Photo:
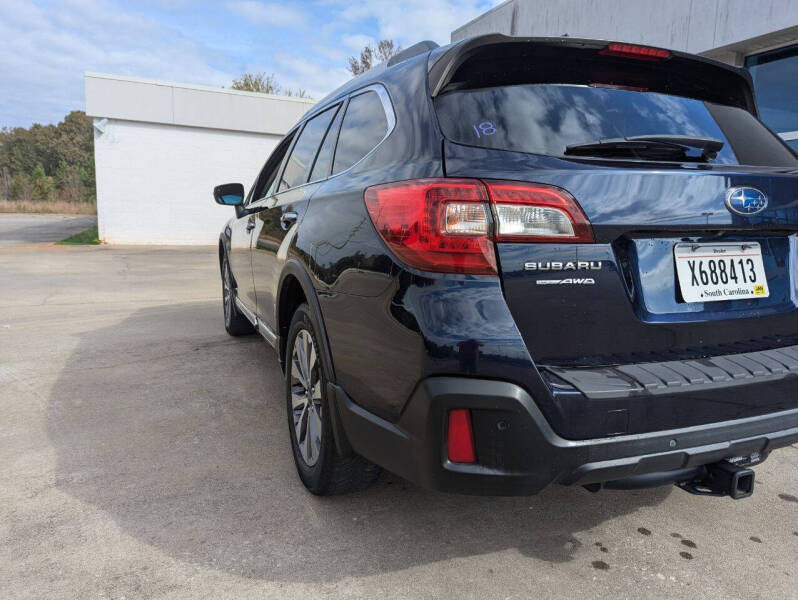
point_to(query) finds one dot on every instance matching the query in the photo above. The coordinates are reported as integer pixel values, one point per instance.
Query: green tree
(5, 180)
(22, 187)
(45, 162)
(43, 187)
(74, 173)
(69, 180)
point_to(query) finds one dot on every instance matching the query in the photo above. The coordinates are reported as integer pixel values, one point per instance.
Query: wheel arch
(296, 287)
(222, 250)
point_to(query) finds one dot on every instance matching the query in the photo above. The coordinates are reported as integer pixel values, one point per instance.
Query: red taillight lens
(460, 437)
(635, 52)
(530, 212)
(446, 225)
(440, 225)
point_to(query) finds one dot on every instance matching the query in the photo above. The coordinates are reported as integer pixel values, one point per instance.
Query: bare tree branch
(370, 56)
(265, 84)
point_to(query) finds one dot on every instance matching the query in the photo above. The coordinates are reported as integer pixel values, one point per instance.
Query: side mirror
(229, 194)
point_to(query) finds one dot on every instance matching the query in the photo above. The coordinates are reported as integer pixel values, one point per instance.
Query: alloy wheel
(227, 294)
(306, 397)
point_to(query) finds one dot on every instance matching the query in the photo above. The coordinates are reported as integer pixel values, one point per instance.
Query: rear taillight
(537, 213)
(635, 52)
(440, 225)
(447, 225)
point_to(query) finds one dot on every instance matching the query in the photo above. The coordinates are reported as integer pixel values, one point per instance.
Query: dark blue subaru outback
(511, 262)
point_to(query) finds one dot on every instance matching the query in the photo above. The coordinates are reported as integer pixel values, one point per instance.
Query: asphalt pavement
(144, 454)
(26, 229)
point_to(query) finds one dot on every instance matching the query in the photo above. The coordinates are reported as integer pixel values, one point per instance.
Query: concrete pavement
(144, 454)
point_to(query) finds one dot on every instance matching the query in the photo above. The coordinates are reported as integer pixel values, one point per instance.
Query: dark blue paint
(654, 272)
(389, 327)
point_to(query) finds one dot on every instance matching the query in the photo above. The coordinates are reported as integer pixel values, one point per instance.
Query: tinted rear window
(546, 118)
(364, 126)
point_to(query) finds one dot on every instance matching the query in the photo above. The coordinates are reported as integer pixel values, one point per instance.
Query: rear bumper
(518, 453)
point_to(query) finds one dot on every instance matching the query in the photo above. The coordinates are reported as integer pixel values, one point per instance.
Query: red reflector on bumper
(460, 437)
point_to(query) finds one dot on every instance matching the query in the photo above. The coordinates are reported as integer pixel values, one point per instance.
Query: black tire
(235, 323)
(321, 468)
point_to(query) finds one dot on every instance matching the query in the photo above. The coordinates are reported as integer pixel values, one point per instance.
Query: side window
(277, 181)
(321, 168)
(268, 175)
(299, 163)
(364, 126)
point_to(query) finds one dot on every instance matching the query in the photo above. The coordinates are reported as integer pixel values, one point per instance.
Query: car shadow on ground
(178, 433)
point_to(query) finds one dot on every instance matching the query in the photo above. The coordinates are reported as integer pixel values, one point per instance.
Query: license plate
(727, 271)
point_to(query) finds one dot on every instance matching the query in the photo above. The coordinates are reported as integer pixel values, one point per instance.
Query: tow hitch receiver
(722, 479)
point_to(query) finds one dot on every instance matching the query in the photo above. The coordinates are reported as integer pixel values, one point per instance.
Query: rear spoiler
(717, 81)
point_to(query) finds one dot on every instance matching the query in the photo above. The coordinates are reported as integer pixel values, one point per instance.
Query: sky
(47, 45)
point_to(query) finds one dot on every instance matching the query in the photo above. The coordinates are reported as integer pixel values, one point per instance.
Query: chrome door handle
(287, 219)
(251, 224)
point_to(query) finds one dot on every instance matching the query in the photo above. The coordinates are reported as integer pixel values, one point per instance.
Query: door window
(364, 126)
(300, 161)
(268, 175)
(321, 167)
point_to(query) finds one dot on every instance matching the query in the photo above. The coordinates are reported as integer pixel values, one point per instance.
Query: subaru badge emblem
(746, 201)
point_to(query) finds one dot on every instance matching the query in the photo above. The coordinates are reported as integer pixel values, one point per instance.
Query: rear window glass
(547, 118)
(364, 126)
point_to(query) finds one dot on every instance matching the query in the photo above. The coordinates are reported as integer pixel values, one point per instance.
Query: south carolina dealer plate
(726, 271)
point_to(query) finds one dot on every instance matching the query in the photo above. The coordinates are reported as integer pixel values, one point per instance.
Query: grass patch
(48, 206)
(84, 238)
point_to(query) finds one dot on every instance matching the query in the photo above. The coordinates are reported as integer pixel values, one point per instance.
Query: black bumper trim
(669, 377)
(414, 446)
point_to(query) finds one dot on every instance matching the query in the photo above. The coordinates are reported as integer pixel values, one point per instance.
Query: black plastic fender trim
(298, 270)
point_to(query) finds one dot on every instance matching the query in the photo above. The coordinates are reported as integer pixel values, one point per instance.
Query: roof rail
(412, 51)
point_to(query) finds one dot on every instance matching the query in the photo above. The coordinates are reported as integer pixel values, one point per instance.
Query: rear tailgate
(624, 302)
(614, 319)
(616, 326)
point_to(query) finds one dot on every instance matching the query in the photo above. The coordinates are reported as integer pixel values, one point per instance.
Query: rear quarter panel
(375, 355)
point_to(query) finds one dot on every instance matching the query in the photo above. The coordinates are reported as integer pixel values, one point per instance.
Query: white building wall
(155, 181)
(499, 19)
(152, 101)
(160, 148)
